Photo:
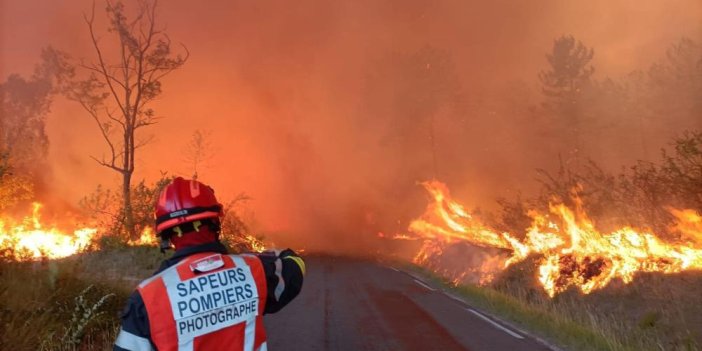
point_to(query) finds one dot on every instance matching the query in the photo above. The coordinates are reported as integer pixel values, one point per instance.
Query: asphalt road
(348, 304)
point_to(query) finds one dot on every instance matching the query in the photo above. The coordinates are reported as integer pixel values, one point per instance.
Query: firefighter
(203, 298)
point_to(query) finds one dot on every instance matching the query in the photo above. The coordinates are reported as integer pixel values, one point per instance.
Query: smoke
(328, 113)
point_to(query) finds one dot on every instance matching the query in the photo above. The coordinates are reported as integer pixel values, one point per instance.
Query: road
(349, 304)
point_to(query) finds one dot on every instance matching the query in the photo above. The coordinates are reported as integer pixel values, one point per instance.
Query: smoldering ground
(328, 113)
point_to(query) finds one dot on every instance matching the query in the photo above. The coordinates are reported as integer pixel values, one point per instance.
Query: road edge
(461, 300)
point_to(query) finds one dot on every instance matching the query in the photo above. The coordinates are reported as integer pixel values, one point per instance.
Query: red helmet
(185, 201)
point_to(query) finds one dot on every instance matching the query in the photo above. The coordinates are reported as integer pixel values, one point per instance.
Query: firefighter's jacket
(204, 299)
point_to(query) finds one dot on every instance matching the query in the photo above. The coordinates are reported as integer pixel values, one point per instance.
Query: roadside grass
(618, 319)
(120, 266)
(46, 306)
(72, 303)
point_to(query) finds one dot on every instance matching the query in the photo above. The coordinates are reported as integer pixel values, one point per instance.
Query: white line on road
(495, 324)
(424, 285)
(394, 269)
(453, 297)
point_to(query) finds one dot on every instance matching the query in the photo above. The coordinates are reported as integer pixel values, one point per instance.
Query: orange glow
(30, 240)
(573, 252)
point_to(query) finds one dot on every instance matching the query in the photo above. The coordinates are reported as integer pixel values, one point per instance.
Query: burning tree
(117, 93)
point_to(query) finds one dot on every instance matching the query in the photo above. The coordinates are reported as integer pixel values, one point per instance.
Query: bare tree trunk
(128, 170)
(128, 211)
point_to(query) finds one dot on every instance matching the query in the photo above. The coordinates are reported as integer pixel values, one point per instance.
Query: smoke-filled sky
(294, 94)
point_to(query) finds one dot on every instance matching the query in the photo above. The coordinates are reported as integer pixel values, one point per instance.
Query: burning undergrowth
(570, 250)
(32, 237)
(29, 238)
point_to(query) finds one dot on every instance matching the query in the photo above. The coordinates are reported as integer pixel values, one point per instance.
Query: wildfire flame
(574, 253)
(247, 242)
(146, 238)
(256, 244)
(29, 240)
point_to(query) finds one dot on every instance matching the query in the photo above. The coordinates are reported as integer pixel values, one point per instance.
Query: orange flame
(29, 240)
(573, 253)
(254, 243)
(146, 238)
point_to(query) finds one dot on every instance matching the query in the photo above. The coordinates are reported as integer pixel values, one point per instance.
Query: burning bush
(236, 234)
(104, 206)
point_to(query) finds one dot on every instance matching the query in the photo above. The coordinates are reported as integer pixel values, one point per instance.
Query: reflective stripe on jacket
(194, 306)
(284, 273)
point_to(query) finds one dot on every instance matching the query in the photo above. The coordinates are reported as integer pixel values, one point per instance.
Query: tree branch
(98, 70)
(94, 115)
(103, 66)
(108, 165)
(115, 119)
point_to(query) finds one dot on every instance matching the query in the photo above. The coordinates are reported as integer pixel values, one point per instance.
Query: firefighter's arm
(285, 271)
(134, 334)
